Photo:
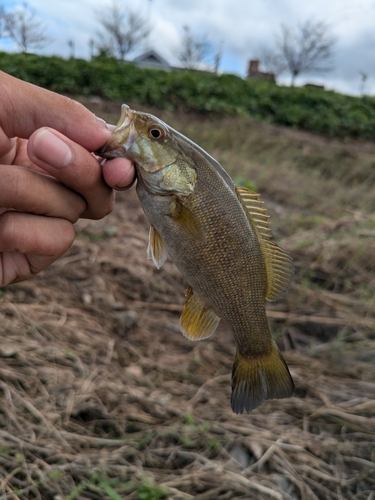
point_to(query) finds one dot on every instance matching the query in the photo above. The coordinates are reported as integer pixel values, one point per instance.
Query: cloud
(242, 26)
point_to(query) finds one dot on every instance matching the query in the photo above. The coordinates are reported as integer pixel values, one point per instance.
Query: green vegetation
(147, 491)
(319, 111)
(105, 487)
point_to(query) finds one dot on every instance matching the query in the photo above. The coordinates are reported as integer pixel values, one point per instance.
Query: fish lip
(121, 138)
(103, 150)
(111, 149)
(126, 118)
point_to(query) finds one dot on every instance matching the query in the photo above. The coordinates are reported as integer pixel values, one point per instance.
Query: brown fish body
(217, 234)
(226, 272)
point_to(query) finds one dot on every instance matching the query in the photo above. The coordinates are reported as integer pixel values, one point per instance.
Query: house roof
(151, 57)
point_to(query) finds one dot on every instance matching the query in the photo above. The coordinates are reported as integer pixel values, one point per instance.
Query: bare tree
(272, 61)
(91, 46)
(23, 28)
(193, 50)
(123, 30)
(306, 48)
(2, 21)
(218, 56)
(362, 82)
(72, 47)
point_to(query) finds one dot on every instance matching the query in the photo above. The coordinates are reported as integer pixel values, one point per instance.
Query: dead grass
(102, 397)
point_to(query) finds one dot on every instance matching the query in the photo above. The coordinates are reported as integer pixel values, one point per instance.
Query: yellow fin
(186, 220)
(259, 378)
(280, 270)
(156, 249)
(197, 321)
(279, 264)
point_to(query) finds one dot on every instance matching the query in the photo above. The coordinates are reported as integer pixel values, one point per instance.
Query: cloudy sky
(242, 26)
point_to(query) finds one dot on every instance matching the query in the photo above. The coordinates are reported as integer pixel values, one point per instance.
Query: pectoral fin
(279, 264)
(185, 219)
(197, 321)
(156, 249)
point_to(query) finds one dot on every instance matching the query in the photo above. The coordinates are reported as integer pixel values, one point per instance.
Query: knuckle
(103, 211)
(97, 210)
(110, 205)
(67, 237)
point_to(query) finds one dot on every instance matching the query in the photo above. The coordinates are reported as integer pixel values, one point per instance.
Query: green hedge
(313, 109)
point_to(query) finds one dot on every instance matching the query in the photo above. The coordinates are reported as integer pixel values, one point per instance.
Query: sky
(243, 27)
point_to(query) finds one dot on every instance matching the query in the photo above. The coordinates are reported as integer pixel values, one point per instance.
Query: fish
(218, 235)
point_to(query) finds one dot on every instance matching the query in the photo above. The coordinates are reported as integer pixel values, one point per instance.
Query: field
(103, 398)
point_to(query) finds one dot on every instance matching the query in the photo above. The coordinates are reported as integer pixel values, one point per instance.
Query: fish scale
(226, 258)
(218, 235)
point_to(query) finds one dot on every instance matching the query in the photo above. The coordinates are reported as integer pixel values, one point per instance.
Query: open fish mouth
(122, 137)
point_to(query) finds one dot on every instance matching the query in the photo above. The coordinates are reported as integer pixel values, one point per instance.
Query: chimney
(253, 68)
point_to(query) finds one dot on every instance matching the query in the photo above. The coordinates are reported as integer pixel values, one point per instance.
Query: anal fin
(156, 249)
(198, 321)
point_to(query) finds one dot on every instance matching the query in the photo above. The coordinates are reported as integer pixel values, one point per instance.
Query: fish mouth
(122, 137)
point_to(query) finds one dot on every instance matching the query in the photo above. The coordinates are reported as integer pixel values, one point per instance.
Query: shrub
(313, 109)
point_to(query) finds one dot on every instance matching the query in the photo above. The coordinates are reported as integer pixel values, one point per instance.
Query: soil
(101, 395)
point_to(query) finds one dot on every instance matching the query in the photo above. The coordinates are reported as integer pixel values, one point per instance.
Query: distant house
(254, 73)
(152, 59)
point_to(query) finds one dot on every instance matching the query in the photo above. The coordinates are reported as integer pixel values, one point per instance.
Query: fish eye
(156, 132)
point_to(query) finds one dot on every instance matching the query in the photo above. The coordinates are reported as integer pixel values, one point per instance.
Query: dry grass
(102, 397)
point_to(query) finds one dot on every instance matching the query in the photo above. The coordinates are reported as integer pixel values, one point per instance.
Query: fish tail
(259, 378)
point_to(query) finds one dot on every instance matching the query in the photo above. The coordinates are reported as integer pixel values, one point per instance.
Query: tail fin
(259, 378)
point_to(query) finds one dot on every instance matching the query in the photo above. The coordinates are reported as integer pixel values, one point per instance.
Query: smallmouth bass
(218, 236)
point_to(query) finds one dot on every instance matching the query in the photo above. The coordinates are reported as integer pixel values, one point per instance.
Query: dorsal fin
(279, 264)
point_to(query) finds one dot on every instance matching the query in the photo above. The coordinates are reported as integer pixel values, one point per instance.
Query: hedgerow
(313, 109)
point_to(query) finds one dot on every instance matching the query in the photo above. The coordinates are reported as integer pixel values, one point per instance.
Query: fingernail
(101, 121)
(126, 183)
(49, 148)
(108, 126)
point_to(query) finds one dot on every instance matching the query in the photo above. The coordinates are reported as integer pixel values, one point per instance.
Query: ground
(102, 397)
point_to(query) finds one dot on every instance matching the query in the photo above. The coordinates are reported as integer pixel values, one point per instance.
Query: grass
(305, 169)
(102, 398)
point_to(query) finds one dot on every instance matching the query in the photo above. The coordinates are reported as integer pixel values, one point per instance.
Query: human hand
(49, 178)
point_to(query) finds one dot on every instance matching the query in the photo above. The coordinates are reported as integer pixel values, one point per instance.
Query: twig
(253, 485)
(264, 458)
(95, 441)
(41, 417)
(26, 445)
(158, 305)
(4, 482)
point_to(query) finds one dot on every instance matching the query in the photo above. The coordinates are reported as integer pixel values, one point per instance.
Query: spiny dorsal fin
(279, 264)
(198, 321)
(156, 249)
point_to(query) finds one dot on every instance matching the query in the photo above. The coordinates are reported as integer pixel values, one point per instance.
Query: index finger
(24, 108)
